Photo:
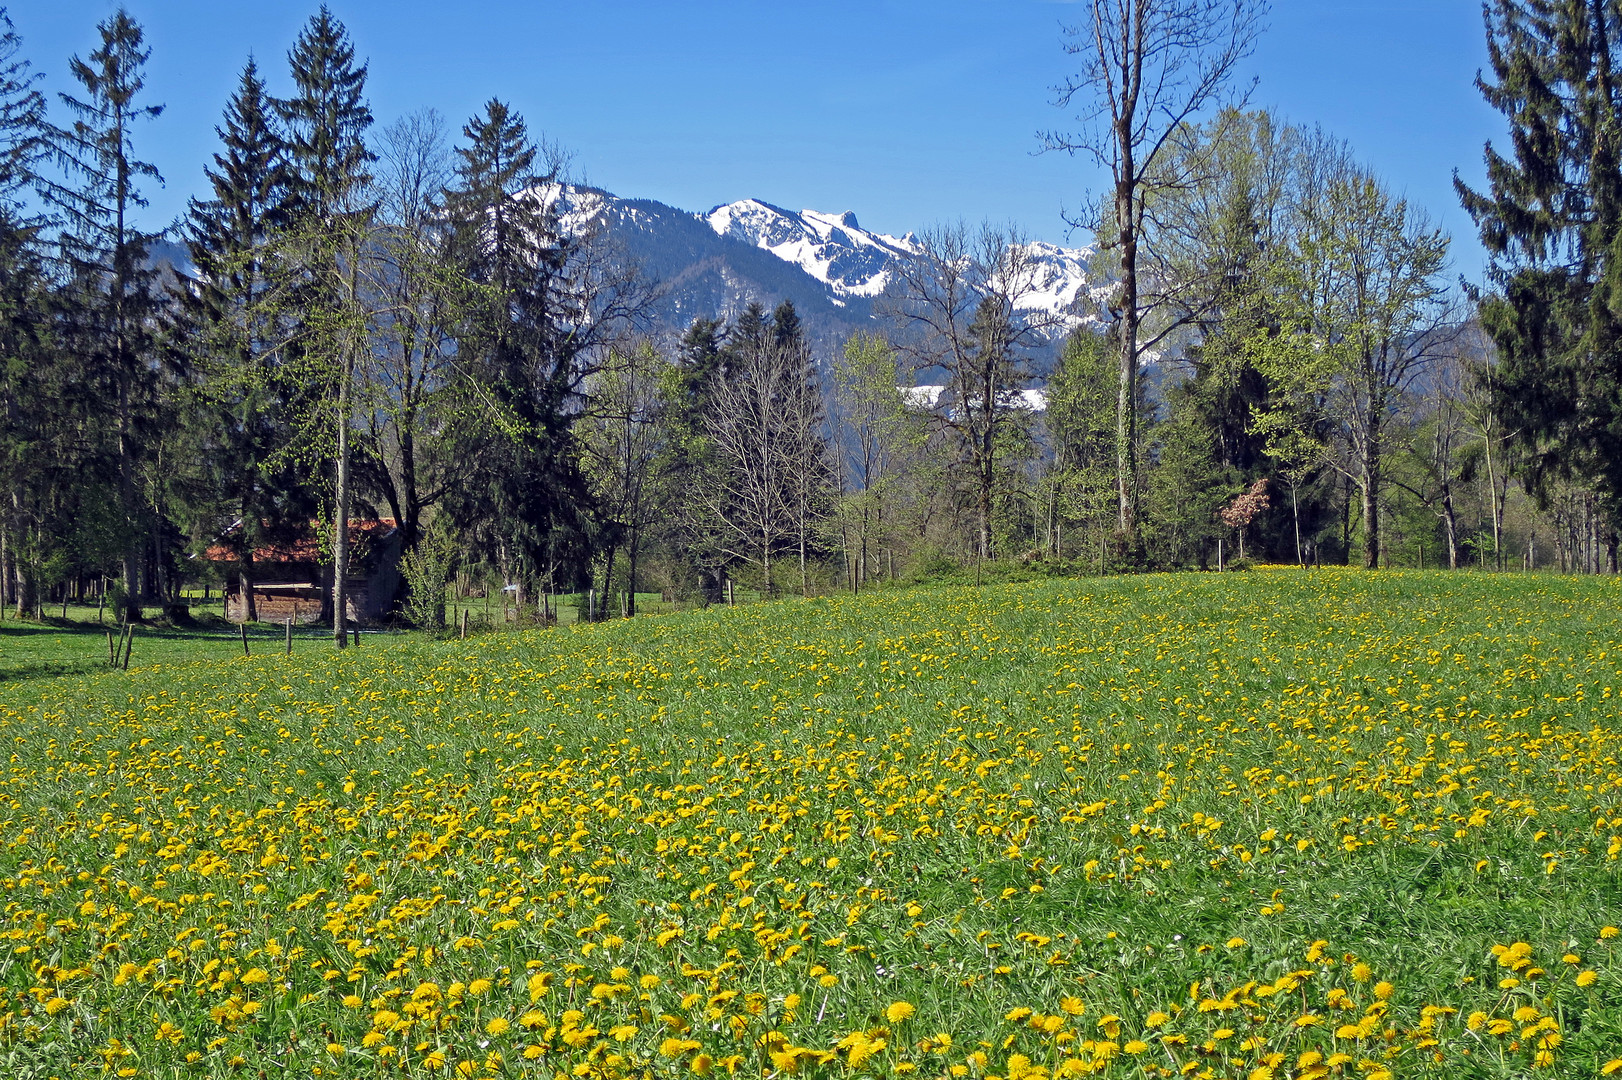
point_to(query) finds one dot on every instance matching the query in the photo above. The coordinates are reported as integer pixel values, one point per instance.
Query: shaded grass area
(77, 645)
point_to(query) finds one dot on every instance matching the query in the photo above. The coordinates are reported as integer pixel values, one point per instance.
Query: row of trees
(363, 321)
(385, 322)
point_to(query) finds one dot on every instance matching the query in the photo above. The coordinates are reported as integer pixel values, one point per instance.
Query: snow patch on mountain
(851, 261)
(832, 248)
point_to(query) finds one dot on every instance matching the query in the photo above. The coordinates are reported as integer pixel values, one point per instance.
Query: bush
(426, 570)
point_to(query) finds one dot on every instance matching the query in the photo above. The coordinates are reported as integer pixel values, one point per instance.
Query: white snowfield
(851, 261)
(832, 248)
(931, 396)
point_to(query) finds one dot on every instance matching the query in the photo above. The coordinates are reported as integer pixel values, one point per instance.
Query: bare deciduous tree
(1147, 69)
(625, 443)
(962, 303)
(416, 303)
(762, 429)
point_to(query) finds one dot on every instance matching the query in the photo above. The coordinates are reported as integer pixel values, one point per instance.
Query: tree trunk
(1371, 503)
(340, 539)
(250, 606)
(608, 579)
(25, 590)
(1295, 514)
(1450, 522)
(632, 550)
(1126, 400)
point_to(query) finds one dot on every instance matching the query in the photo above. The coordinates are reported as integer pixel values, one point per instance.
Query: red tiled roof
(306, 548)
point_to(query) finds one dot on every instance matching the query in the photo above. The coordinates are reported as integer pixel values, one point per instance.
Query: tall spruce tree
(26, 364)
(113, 287)
(326, 123)
(1551, 220)
(526, 345)
(241, 413)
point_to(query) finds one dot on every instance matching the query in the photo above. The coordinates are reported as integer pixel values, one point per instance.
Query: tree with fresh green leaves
(1078, 484)
(1366, 313)
(321, 259)
(878, 440)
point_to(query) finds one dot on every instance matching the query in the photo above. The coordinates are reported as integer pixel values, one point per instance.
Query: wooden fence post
(243, 627)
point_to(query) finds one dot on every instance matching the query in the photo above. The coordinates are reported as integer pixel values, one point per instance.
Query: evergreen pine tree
(326, 120)
(29, 464)
(1551, 220)
(106, 255)
(241, 417)
(525, 498)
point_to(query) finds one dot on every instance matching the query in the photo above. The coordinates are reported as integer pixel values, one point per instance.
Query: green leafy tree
(321, 255)
(1372, 298)
(879, 440)
(1080, 419)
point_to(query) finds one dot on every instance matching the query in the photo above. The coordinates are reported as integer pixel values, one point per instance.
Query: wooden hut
(292, 579)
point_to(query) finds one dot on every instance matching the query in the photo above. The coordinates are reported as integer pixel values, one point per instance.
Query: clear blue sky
(908, 112)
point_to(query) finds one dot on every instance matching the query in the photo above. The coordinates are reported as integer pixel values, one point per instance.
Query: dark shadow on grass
(84, 652)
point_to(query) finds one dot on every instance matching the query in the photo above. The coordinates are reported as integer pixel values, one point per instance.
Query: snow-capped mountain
(832, 248)
(713, 264)
(851, 261)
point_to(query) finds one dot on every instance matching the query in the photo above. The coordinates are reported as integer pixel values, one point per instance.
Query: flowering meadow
(1276, 824)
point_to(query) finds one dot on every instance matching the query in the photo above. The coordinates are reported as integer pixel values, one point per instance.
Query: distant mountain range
(715, 263)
